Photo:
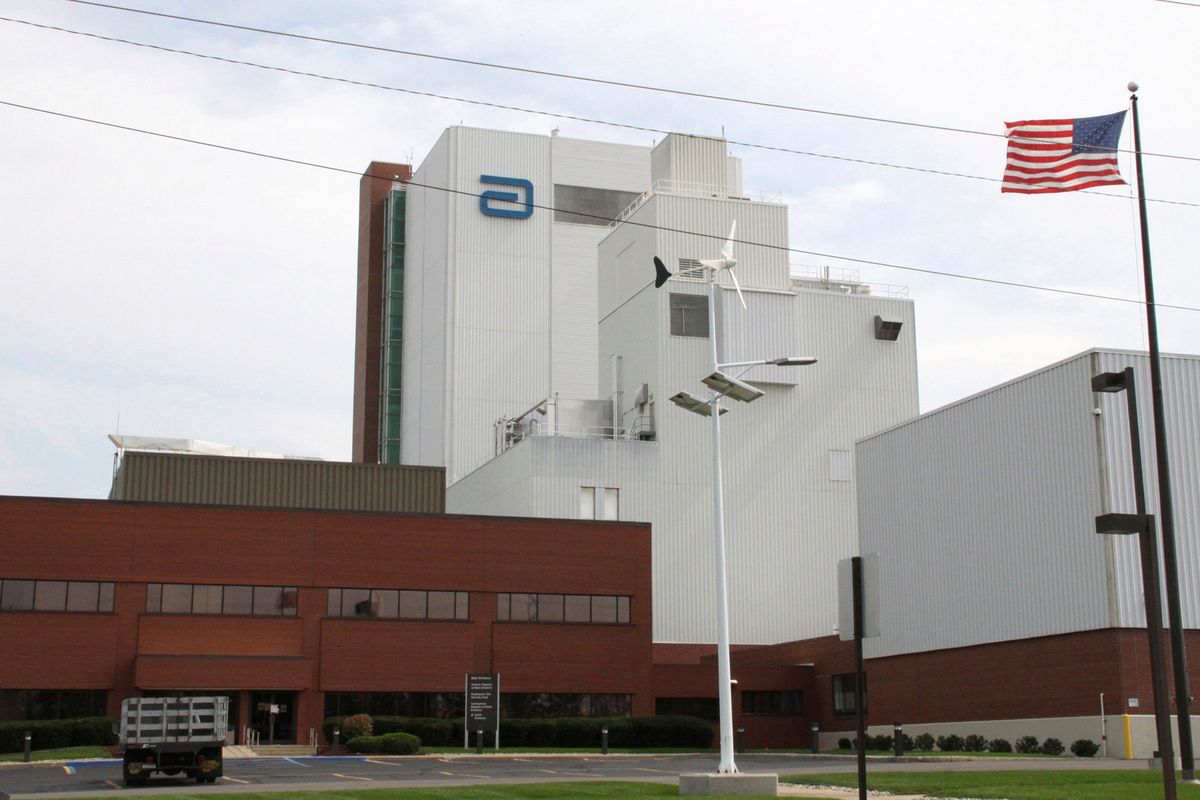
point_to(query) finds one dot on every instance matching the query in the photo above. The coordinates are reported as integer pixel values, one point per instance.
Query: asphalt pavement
(102, 778)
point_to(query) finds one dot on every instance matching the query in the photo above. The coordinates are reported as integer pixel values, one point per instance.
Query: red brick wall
(135, 543)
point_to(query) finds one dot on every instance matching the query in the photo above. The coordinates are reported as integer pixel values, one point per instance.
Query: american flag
(1062, 155)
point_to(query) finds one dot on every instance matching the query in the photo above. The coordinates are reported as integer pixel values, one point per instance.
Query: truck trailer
(173, 735)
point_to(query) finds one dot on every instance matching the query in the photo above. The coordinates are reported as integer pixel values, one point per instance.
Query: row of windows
(398, 604)
(591, 608)
(599, 502)
(24, 595)
(31, 704)
(786, 702)
(189, 598)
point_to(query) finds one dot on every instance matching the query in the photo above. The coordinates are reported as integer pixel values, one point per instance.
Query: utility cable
(537, 112)
(718, 237)
(568, 76)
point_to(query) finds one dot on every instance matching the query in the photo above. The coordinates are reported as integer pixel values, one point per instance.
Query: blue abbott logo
(492, 195)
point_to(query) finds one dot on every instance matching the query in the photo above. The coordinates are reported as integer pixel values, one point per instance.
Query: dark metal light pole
(1143, 524)
(1165, 505)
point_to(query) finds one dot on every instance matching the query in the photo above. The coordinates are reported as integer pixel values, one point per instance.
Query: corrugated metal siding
(578, 162)
(573, 308)
(694, 160)
(757, 267)
(280, 483)
(982, 513)
(787, 524)
(1181, 387)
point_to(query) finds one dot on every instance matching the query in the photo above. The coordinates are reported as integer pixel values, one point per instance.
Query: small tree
(923, 742)
(1028, 744)
(951, 744)
(1052, 747)
(357, 725)
(974, 743)
(1084, 748)
(1000, 746)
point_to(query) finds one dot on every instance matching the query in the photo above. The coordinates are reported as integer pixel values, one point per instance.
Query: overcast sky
(178, 290)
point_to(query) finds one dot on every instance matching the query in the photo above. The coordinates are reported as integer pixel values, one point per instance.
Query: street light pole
(1151, 589)
(724, 685)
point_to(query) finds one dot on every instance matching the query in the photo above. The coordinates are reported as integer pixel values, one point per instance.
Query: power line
(719, 237)
(537, 112)
(570, 76)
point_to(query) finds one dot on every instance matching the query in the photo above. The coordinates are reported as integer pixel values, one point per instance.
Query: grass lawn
(1016, 785)
(62, 754)
(594, 790)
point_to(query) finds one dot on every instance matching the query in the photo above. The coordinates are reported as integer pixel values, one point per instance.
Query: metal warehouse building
(1001, 606)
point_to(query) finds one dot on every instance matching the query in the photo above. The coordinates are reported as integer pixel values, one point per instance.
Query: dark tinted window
(83, 596)
(50, 596)
(587, 205)
(238, 600)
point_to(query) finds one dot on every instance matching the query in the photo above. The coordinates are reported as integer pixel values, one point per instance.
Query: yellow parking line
(235, 780)
(113, 784)
(352, 777)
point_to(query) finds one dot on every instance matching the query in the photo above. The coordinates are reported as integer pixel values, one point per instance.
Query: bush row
(395, 744)
(53, 733)
(1083, 748)
(658, 731)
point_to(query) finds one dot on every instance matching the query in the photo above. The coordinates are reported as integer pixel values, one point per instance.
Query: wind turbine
(714, 265)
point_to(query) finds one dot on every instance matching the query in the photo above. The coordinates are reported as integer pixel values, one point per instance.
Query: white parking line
(114, 784)
(68, 770)
(235, 780)
(301, 763)
(352, 777)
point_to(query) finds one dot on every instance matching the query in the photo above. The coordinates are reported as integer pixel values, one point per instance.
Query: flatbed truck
(173, 735)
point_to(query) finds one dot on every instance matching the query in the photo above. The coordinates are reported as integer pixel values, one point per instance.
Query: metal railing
(250, 737)
(664, 186)
(312, 740)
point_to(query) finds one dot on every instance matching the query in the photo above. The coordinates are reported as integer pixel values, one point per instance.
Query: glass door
(273, 716)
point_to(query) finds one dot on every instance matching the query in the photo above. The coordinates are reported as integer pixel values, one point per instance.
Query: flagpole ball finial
(1133, 87)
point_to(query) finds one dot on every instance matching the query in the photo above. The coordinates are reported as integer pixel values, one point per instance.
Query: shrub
(399, 744)
(1000, 746)
(881, 742)
(1027, 744)
(974, 743)
(1084, 748)
(845, 744)
(1052, 747)
(437, 732)
(951, 744)
(370, 745)
(906, 743)
(357, 725)
(52, 733)
(923, 742)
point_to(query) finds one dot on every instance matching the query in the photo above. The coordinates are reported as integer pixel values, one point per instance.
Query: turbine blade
(713, 263)
(738, 287)
(727, 250)
(661, 275)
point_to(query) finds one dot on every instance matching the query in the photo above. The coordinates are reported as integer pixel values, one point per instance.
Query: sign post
(858, 617)
(481, 706)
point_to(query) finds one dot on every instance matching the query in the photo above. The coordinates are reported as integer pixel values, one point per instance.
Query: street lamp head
(794, 361)
(1109, 382)
(1124, 523)
(693, 404)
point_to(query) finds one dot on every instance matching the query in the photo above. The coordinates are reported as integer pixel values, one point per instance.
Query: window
(75, 596)
(584, 608)
(843, 695)
(702, 707)
(397, 604)
(188, 598)
(780, 702)
(543, 706)
(689, 315)
(439, 705)
(37, 704)
(599, 502)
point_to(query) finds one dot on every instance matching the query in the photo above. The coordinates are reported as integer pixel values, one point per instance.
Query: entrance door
(273, 716)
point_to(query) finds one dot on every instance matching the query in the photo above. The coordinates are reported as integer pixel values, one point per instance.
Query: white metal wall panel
(982, 515)
(1181, 387)
(765, 328)
(759, 266)
(691, 160)
(578, 162)
(573, 310)
(428, 266)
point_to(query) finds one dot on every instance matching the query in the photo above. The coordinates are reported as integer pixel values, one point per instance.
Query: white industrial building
(541, 356)
(993, 577)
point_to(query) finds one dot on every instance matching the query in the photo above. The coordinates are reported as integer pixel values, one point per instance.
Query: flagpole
(1166, 511)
